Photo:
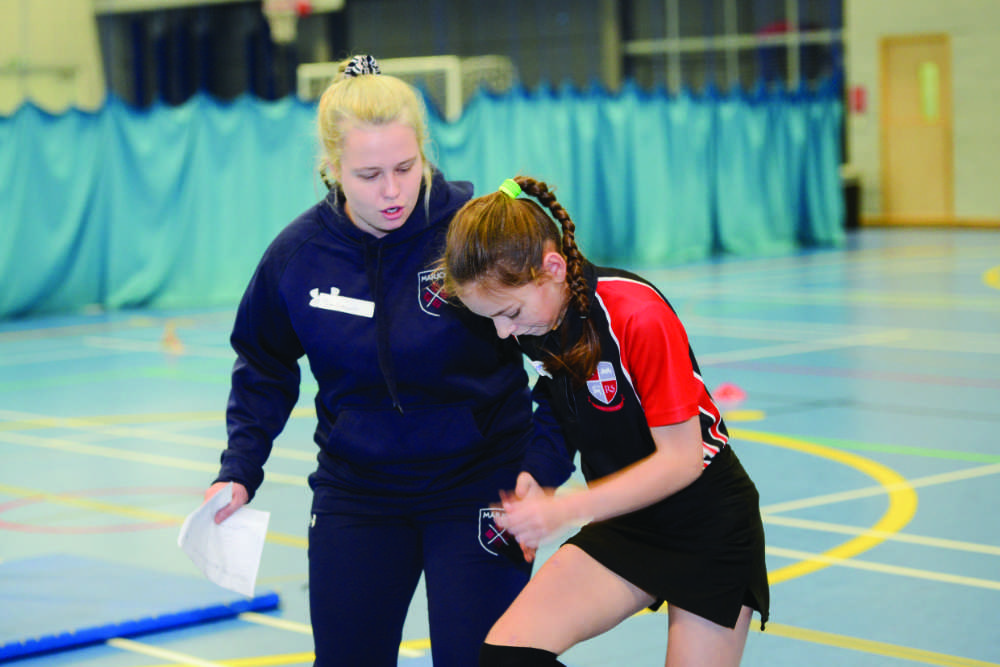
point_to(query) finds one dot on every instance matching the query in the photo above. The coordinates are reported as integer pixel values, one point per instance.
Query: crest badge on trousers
(495, 539)
(492, 537)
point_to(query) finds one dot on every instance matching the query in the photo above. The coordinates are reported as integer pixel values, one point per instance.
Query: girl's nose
(504, 329)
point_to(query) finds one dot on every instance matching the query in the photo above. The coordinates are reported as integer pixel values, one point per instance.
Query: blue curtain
(171, 207)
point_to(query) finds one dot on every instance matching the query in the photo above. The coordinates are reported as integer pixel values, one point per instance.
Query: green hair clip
(510, 188)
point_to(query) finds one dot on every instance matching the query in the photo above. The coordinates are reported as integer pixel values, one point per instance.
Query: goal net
(448, 81)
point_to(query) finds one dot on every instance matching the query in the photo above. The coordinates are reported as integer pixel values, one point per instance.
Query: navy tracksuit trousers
(363, 571)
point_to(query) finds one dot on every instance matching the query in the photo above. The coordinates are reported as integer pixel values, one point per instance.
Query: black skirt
(701, 549)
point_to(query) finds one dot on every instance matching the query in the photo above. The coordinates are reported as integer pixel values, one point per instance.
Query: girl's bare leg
(571, 598)
(696, 641)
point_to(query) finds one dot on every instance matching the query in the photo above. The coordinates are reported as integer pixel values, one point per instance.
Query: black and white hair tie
(360, 65)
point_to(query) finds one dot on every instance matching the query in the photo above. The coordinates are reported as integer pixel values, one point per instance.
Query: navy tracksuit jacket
(423, 413)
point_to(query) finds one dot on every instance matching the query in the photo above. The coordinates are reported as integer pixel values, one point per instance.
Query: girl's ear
(554, 266)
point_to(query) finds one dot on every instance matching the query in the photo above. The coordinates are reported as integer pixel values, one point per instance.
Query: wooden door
(917, 172)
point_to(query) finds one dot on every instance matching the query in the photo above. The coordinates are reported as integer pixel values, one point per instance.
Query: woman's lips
(393, 212)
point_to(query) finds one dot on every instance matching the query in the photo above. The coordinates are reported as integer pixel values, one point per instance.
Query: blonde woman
(422, 413)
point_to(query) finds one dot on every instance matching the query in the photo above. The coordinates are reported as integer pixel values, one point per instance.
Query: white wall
(50, 54)
(973, 27)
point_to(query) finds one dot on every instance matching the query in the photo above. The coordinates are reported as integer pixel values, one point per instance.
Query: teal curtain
(171, 207)
(51, 258)
(651, 179)
(194, 193)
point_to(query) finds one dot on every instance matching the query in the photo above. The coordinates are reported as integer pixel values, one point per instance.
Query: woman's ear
(554, 266)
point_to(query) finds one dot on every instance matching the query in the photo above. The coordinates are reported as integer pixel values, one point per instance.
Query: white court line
(280, 623)
(857, 564)
(50, 356)
(95, 427)
(767, 351)
(163, 654)
(852, 297)
(137, 457)
(781, 329)
(306, 629)
(774, 330)
(156, 346)
(761, 274)
(867, 492)
(825, 527)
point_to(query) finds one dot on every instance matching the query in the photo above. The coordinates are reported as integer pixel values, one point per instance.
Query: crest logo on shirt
(430, 291)
(603, 385)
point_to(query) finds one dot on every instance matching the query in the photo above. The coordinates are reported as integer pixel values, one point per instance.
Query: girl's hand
(533, 518)
(526, 487)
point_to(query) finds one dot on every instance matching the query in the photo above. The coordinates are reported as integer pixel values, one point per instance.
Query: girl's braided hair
(499, 240)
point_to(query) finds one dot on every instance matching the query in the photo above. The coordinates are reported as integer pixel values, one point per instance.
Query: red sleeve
(654, 351)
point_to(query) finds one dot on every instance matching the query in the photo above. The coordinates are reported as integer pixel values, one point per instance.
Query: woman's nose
(391, 188)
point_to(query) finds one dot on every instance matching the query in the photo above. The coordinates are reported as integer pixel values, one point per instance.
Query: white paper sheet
(227, 553)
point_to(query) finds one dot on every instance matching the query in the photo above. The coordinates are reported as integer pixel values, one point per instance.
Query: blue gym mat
(61, 601)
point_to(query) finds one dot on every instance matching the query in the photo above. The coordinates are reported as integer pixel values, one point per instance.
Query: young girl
(670, 515)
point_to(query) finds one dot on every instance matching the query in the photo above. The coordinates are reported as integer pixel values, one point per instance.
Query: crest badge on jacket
(430, 291)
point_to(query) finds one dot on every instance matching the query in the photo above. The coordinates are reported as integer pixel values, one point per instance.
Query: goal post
(448, 80)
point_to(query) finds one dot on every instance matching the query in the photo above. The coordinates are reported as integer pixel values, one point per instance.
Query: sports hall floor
(871, 382)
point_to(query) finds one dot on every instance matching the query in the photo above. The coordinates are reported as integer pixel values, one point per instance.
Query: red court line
(76, 530)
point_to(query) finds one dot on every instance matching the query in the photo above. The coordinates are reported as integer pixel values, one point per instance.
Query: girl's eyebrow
(503, 310)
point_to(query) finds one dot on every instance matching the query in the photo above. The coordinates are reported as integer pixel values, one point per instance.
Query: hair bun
(360, 65)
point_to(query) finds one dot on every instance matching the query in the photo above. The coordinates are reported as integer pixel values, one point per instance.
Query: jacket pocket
(386, 437)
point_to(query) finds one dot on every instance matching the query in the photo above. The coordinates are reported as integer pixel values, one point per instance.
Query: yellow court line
(136, 457)
(107, 452)
(278, 660)
(112, 425)
(991, 277)
(873, 647)
(70, 500)
(773, 629)
(902, 502)
(413, 648)
(275, 622)
(743, 415)
(902, 506)
(21, 420)
(157, 652)
(150, 435)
